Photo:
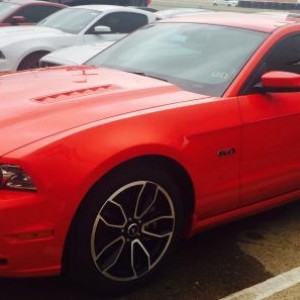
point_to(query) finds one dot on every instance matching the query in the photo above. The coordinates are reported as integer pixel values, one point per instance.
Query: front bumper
(29, 241)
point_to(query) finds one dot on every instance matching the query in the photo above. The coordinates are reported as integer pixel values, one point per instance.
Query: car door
(120, 23)
(270, 161)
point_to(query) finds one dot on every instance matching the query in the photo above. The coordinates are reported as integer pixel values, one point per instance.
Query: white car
(76, 55)
(22, 47)
(228, 3)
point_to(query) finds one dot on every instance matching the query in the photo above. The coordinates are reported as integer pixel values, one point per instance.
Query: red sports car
(25, 12)
(104, 168)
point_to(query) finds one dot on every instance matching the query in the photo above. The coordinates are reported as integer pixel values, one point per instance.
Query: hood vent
(76, 93)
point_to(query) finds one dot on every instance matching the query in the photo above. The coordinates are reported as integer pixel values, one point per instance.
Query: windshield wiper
(146, 75)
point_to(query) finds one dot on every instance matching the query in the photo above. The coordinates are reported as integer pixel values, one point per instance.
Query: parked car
(76, 55)
(180, 126)
(16, 12)
(22, 47)
(228, 3)
(108, 2)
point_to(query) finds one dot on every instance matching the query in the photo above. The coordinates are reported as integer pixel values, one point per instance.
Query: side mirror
(281, 82)
(15, 20)
(102, 29)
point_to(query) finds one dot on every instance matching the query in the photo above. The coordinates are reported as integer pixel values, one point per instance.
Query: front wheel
(124, 230)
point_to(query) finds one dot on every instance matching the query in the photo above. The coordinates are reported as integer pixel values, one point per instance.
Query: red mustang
(104, 169)
(25, 12)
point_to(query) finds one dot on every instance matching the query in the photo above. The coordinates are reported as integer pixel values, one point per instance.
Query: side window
(36, 13)
(284, 56)
(122, 22)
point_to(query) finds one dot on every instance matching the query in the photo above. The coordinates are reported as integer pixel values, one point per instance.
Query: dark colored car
(15, 12)
(110, 2)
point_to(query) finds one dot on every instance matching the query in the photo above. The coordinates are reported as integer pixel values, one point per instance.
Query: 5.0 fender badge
(226, 152)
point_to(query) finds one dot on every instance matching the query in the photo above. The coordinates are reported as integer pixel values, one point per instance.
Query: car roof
(174, 12)
(103, 7)
(20, 2)
(115, 8)
(259, 22)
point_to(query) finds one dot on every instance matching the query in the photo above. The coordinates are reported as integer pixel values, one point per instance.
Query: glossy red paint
(281, 79)
(68, 135)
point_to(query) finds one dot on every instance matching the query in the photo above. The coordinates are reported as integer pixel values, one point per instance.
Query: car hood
(76, 55)
(37, 104)
(11, 34)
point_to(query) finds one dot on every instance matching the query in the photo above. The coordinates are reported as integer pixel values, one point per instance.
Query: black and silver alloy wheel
(124, 229)
(132, 231)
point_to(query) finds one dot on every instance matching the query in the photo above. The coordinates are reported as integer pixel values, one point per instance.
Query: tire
(31, 61)
(124, 230)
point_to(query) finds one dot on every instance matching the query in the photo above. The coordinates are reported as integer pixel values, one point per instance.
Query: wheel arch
(177, 172)
(27, 55)
(171, 166)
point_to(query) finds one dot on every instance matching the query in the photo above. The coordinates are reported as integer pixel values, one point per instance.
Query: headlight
(12, 177)
(2, 56)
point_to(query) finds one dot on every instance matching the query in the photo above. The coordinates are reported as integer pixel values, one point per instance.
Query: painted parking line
(269, 287)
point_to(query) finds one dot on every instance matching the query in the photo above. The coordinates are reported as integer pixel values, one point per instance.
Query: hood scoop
(76, 93)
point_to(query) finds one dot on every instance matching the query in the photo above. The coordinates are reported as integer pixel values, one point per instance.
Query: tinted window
(197, 57)
(122, 22)
(36, 13)
(285, 56)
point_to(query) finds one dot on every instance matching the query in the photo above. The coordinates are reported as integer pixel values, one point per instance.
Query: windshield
(169, 13)
(6, 8)
(197, 57)
(71, 20)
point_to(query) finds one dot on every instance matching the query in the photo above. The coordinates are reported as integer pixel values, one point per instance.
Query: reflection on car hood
(76, 55)
(77, 96)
